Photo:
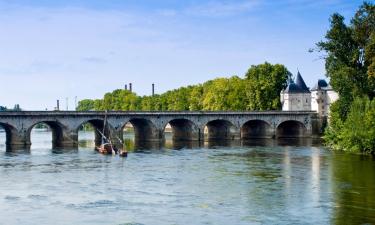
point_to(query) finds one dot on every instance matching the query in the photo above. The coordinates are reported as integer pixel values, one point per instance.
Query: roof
(321, 85)
(299, 86)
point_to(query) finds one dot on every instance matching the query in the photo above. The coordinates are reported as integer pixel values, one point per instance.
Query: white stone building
(296, 96)
(322, 96)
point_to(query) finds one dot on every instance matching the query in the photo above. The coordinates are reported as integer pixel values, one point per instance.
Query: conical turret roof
(301, 83)
(298, 86)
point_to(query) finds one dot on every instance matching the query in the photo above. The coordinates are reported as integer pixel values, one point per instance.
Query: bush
(357, 132)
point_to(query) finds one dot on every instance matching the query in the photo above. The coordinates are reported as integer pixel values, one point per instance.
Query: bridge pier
(67, 139)
(17, 140)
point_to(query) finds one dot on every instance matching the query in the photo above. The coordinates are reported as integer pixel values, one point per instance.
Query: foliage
(15, 108)
(357, 132)
(264, 86)
(86, 105)
(232, 93)
(350, 65)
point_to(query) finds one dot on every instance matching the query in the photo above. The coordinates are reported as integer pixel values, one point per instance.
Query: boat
(107, 148)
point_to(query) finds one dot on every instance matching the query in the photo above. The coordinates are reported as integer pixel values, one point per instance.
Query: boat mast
(104, 125)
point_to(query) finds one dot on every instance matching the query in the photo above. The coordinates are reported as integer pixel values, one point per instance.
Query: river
(211, 183)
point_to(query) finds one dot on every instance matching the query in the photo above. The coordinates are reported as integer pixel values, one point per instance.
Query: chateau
(298, 97)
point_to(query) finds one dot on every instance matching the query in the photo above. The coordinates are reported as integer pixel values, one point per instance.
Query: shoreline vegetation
(350, 64)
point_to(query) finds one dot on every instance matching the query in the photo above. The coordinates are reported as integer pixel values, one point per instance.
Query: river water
(215, 183)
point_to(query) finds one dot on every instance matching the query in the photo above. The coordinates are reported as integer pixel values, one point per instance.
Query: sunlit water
(199, 184)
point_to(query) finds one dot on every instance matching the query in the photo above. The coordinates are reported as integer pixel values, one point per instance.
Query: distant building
(296, 96)
(322, 96)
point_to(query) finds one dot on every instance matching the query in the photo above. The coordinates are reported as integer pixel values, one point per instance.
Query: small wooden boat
(107, 148)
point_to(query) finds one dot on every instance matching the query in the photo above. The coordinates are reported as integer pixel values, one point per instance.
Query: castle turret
(322, 96)
(296, 96)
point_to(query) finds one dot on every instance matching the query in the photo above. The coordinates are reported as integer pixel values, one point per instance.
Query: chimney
(153, 89)
(130, 87)
(126, 87)
(58, 105)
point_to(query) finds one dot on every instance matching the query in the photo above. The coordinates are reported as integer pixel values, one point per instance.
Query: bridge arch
(97, 126)
(9, 133)
(221, 129)
(256, 129)
(291, 129)
(56, 129)
(144, 129)
(183, 130)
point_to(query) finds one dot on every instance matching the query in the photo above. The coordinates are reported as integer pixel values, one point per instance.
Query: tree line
(258, 90)
(350, 65)
(15, 108)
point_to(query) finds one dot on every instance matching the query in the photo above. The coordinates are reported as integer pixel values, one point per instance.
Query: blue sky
(61, 49)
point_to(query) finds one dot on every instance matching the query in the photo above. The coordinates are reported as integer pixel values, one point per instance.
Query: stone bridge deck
(150, 126)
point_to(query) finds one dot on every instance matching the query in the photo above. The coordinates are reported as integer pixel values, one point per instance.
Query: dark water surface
(197, 184)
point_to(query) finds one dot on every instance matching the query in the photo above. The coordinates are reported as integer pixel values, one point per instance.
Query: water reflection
(353, 189)
(217, 182)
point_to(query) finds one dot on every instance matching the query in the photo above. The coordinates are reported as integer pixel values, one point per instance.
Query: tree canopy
(264, 84)
(350, 65)
(259, 90)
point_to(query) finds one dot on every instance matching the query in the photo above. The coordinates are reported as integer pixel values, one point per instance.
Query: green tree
(264, 84)
(218, 94)
(86, 105)
(350, 59)
(357, 132)
(350, 65)
(196, 96)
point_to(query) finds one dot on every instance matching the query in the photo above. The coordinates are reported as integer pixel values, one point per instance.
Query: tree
(350, 59)
(264, 84)
(17, 107)
(350, 65)
(86, 105)
(219, 94)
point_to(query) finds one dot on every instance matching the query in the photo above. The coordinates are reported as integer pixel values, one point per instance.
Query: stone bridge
(150, 126)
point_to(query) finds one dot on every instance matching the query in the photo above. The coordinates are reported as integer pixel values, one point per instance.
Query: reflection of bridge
(150, 126)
